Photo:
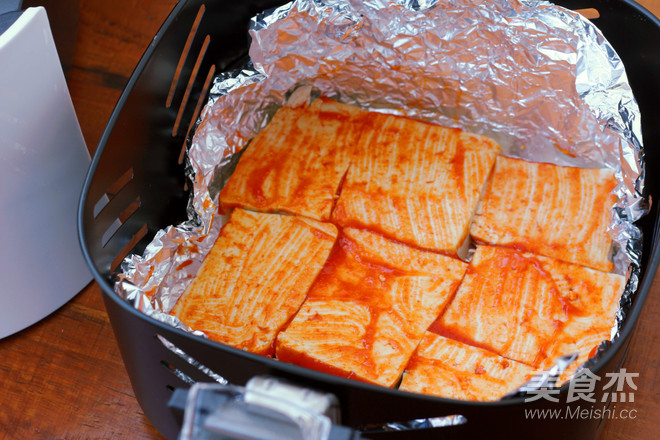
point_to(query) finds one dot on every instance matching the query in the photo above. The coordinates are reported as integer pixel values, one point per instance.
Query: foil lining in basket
(539, 79)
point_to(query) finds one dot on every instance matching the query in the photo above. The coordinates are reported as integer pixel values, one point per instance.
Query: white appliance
(43, 161)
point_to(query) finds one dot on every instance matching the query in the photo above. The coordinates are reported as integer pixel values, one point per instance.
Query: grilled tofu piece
(415, 182)
(369, 308)
(579, 337)
(447, 368)
(255, 278)
(526, 307)
(296, 163)
(560, 212)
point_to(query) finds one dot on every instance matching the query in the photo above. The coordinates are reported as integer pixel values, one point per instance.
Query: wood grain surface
(63, 378)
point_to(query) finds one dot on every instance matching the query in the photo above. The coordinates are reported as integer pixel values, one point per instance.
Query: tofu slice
(578, 337)
(550, 210)
(296, 163)
(369, 308)
(255, 278)
(415, 182)
(525, 307)
(447, 368)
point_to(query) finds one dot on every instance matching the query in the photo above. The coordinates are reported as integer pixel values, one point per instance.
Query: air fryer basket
(136, 186)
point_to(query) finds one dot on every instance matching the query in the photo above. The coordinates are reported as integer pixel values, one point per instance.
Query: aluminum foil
(539, 79)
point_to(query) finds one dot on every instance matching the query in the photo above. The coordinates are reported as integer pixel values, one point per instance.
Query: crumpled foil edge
(153, 282)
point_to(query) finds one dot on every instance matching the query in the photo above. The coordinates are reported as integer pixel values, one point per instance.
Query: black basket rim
(646, 274)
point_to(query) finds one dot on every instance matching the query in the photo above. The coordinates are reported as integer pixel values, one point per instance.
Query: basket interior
(137, 186)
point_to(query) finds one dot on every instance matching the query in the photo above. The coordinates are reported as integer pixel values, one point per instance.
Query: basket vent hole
(182, 153)
(178, 373)
(200, 101)
(110, 232)
(190, 360)
(100, 204)
(588, 13)
(112, 191)
(123, 217)
(184, 55)
(191, 82)
(139, 235)
(130, 210)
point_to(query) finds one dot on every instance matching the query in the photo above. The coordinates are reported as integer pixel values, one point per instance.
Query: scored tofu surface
(296, 163)
(447, 368)
(556, 211)
(357, 303)
(580, 337)
(526, 307)
(255, 278)
(369, 308)
(416, 182)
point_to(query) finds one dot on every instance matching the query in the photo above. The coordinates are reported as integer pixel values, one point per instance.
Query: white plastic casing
(43, 161)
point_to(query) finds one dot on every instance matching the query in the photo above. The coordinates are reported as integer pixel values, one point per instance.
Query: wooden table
(64, 378)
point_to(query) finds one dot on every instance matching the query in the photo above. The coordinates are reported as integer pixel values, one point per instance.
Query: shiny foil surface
(539, 79)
